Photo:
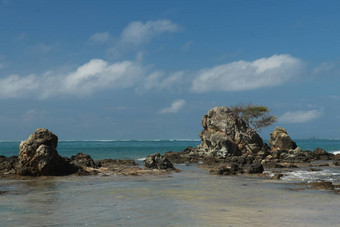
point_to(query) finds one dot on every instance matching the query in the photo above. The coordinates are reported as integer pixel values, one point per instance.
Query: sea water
(192, 197)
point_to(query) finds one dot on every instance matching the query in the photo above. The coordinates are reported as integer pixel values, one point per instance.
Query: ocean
(191, 197)
(135, 149)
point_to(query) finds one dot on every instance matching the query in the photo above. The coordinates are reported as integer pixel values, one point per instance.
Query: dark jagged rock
(321, 154)
(336, 160)
(225, 134)
(7, 164)
(38, 156)
(83, 160)
(188, 155)
(280, 140)
(157, 161)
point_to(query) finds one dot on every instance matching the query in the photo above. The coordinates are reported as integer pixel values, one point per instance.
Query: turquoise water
(140, 149)
(108, 149)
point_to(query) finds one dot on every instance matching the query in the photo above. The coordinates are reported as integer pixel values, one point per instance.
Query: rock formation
(280, 140)
(225, 134)
(7, 165)
(83, 160)
(38, 156)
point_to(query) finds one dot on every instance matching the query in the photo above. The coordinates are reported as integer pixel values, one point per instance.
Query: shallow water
(190, 198)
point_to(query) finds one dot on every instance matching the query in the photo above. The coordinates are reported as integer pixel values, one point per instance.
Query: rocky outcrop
(157, 161)
(83, 160)
(8, 164)
(280, 140)
(336, 160)
(225, 134)
(38, 156)
(188, 155)
(321, 154)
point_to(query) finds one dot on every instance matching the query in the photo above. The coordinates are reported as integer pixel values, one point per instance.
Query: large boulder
(83, 160)
(280, 140)
(225, 134)
(38, 156)
(157, 161)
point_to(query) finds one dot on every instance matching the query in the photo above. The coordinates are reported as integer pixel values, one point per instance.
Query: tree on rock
(256, 117)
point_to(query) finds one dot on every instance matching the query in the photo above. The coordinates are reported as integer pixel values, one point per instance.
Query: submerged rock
(38, 156)
(157, 161)
(114, 162)
(256, 167)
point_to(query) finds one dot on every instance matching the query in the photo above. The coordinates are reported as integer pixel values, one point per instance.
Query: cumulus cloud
(101, 37)
(174, 108)
(300, 116)
(245, 75)
(158, 81)
(88, 78)
(138, 32)
(14, 85)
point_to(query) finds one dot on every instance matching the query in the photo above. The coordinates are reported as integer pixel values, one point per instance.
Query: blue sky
(152, 69)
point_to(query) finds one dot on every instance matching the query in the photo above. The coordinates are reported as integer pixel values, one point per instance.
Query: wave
(335, 152)
(311, 176)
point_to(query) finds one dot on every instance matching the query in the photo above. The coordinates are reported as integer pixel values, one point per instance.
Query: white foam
(336, 152)
(310, 176)
(140, 159)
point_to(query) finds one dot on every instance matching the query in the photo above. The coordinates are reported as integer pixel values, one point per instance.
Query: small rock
(157, 161)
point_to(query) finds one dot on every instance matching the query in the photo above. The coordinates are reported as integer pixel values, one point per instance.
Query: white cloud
(300, 116)
(101, 37)
(138, 32)
(157, 81)
(324, 67)
(245, 75)
(91, 77)
(14, 86)
(174, 108)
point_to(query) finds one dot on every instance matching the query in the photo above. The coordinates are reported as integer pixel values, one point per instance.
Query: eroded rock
(38, 156)
(225, 134)
(280, 140)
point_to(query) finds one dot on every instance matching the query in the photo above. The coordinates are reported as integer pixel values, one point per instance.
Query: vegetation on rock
(255, 117)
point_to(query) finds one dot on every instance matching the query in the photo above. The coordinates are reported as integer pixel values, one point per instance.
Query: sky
(151, 69)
